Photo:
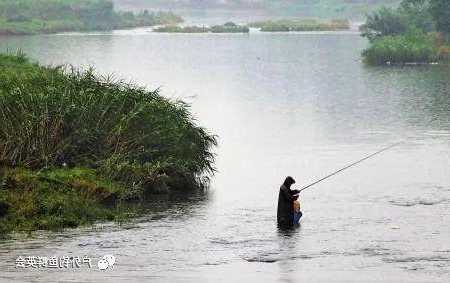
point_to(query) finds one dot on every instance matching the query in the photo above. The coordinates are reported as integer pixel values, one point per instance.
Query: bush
(388, 21)
(50, 117)
(75, 146)
(444, 53)
(414, 47)
(385, 22)
(229, 27)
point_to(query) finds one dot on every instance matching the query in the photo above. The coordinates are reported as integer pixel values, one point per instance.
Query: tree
(418, 14)
(440, 10)
(384, 22)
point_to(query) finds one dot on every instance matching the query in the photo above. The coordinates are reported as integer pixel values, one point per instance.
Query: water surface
(299, 104)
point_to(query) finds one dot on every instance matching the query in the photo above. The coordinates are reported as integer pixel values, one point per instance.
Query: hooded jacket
(286, 197)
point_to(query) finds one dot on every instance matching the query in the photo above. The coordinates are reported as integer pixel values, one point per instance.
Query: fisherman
(286, 198)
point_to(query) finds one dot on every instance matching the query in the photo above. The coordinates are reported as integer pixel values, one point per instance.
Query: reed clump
(413, 47)
(60, 118)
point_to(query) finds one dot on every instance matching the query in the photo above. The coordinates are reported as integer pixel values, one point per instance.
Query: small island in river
(264, 26)
(287, 25)
(76, 148)
(416, 32)
(228, 27)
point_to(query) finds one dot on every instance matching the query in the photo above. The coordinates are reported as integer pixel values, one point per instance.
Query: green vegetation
(178, 29)
(73, 146)
(416, 47)
(415, 32)
(50, 16)
(301, 25)
(52, 199)
(229, 27)
(225, 28)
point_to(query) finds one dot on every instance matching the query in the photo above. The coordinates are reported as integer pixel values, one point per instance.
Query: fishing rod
(350, 165)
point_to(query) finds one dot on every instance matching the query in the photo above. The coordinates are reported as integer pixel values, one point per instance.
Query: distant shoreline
(47, 17)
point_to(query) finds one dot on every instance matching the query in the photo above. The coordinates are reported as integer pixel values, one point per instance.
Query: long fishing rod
(350, 165)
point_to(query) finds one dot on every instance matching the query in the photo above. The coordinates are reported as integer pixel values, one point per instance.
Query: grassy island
(74, 147)
(178, 29)
(21, 17)
(417, 32)
(229, 27)
(301, 25)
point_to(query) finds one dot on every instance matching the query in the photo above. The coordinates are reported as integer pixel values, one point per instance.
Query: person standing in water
(286, 198)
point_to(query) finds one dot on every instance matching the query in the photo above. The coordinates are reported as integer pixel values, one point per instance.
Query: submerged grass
(71, 139)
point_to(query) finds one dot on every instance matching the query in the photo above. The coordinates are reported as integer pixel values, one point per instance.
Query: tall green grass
(413, 47)
(52, 116)
(74, 144)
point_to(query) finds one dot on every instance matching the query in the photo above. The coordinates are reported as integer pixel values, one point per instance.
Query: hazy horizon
(351, 9)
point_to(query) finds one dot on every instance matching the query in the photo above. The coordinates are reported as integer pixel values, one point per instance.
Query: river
(300, 104)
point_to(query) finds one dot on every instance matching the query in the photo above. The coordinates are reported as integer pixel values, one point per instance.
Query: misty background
(249, 10)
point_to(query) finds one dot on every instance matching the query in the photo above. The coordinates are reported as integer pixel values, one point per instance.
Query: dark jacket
(285, 213)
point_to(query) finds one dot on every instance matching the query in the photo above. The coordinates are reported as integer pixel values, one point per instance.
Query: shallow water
(298, 104)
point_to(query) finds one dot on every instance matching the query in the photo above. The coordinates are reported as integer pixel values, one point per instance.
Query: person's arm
(287, 194)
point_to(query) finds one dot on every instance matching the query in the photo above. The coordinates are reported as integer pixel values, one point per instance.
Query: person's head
(289, 181)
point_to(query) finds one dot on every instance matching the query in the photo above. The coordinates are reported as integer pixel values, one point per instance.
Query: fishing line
(361, 160)
(350, 165)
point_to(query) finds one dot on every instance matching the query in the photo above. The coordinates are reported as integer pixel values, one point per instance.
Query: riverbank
(75, 146)
(45, 16)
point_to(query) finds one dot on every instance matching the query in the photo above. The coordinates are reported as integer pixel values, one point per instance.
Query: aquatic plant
(55, 115)
(83, 139)
(414, 47)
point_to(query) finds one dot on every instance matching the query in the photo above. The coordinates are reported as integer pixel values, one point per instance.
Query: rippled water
(298, 104)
